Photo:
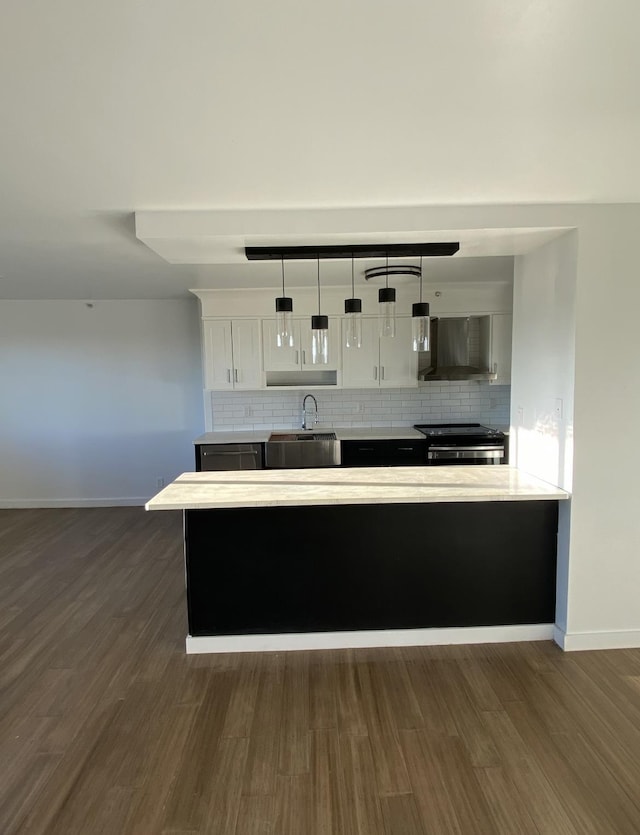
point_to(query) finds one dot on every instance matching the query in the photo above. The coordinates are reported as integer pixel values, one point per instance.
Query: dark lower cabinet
(388, 453)
(384, 566)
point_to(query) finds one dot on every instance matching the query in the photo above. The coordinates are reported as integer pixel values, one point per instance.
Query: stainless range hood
(460, 350)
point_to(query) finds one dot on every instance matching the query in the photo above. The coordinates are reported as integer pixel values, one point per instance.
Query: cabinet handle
(228, 375)
(304, 357)
(405, 449)
(236, 375)
(382, 372)
(297, 357)
(365, 449)
(375, 372)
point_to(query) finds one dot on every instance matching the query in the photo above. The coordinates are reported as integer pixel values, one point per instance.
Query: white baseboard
(48, 503)
(368, 638)
(575, 641)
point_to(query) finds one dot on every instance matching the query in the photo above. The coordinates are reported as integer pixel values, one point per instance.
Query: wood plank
(256, 815)
(264, 745)
(330, 798)
(364, 812)
(445, 786)
(295, 739)
(401, 816)
(388, 759)
(351, 718)
(323, 689)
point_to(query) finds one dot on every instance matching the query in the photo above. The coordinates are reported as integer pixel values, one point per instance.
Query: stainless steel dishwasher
(210, 457)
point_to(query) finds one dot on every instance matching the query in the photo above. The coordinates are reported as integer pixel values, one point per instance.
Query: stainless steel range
(463, 443)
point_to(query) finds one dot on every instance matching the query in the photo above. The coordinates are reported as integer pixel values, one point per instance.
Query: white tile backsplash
(429, 403)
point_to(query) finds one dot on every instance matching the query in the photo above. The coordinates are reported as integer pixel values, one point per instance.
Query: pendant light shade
(319, 340)
(387, 302)
(353, 311)
(284, 319)
(319, 333)
(420, 322)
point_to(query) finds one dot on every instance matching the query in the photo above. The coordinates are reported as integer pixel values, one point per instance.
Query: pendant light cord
(282, 263)
(386, 277)
(421, 279)
(353, 287)
(318, 285)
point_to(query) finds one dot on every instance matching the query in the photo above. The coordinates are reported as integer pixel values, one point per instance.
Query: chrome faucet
(305, 417)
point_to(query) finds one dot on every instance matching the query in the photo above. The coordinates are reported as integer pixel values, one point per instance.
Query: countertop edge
(364, 501)
(353, 486)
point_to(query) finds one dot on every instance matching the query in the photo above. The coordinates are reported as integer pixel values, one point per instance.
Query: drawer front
(384, 453)
(215, 457)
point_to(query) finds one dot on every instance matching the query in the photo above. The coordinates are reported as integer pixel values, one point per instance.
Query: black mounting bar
(312, 253)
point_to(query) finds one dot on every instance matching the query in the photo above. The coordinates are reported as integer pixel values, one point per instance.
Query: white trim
(559, 636)
(575, 641)
(135, 501)
(368, 638)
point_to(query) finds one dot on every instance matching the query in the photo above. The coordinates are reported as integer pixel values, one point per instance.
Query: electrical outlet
(520, 415)
(247, 411)
(159, 483)
(558, 408)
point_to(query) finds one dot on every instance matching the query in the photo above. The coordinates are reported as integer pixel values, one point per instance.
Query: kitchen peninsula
(340, 557)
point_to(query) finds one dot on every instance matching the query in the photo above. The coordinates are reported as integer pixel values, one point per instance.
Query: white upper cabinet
(501, 339)
(334, 345)
(232, 354)
(218, 355)
(381, 361)
(280, 359)
(299, 357)
(398, 361)
(360, 365)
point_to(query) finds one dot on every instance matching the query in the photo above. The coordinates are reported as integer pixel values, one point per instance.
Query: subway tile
(428, 403)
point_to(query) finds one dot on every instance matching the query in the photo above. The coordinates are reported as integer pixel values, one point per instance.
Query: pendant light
(319, 333)
(353, 310)
(420, 321)
(284, 324)
(387, 301)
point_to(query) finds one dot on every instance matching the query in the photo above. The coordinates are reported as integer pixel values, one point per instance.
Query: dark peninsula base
(266, 570)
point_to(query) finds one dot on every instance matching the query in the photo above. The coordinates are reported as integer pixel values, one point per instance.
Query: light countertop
(256, 436)
(350, 433)
(358, 485)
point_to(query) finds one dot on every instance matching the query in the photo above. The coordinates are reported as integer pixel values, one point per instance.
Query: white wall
(543, 360)
(543, 367)
(98, 402)
(604, 568)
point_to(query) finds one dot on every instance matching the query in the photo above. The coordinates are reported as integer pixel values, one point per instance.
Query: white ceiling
(109, 108)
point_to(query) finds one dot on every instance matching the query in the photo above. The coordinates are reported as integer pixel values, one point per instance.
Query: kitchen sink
(302, 436)
(293, 450)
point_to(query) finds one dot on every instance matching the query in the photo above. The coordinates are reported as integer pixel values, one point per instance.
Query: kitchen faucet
(305, 417)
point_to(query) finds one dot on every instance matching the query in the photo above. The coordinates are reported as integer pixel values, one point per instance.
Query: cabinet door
(501, 327)
(391, 453)
(218, 355)
(280, 359)
(247, 354)
(398, 362)
(304, 328)
(360, 366)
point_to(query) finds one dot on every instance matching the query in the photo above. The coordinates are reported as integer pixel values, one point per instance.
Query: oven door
(468, 455)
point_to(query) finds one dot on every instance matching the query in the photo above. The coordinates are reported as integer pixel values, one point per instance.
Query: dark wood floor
(108, 727)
